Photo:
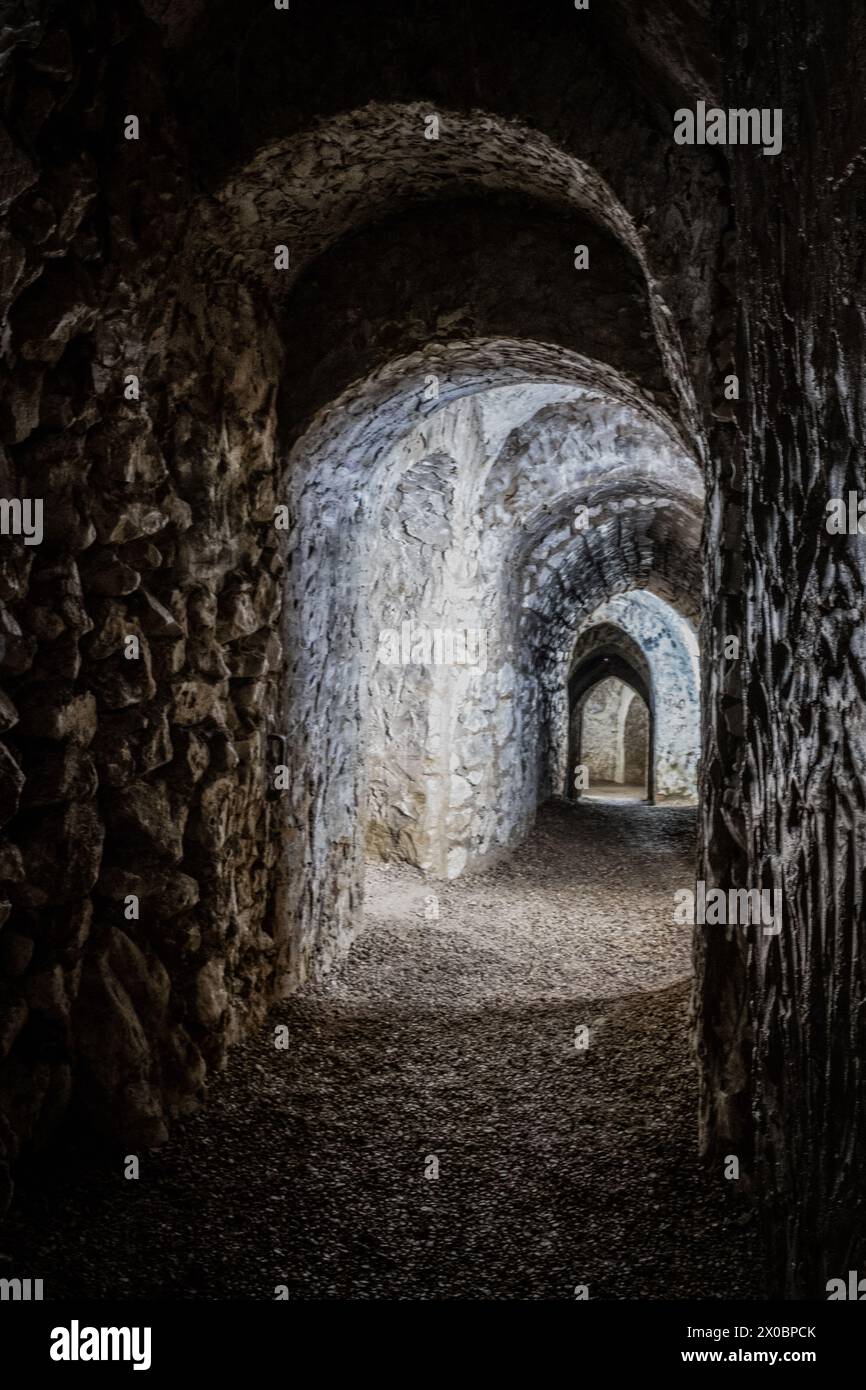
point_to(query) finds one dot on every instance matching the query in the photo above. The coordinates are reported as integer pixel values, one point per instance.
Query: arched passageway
(497, 497)
(612, 735)
(645, 643)
(386, 381)
(608, 668)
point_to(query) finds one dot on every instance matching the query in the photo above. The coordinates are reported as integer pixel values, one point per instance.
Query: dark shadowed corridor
(432, 662)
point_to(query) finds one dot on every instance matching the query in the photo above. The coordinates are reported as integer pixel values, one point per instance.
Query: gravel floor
(448, 1039)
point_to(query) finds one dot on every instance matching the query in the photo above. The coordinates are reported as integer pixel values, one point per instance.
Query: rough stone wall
(635, 741)
(477, 528)
(782, 1019)
(442, 563)
(602, 746)
(420, 769)
(143, 776)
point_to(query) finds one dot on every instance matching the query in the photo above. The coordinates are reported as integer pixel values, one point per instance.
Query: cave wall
(635, 739)
(140, 775)
(782, 1023)
(602, 725)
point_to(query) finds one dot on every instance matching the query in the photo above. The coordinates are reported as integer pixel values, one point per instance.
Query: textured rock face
(141, 856)
(493, 496)
(782, 1019)
(602, 744)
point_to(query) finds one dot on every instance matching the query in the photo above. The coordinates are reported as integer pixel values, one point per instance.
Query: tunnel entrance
(601, 691)
(612, 731)
(634, 702)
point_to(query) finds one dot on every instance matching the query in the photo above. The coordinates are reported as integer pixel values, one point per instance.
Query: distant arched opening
(613, 741)
(607, 691)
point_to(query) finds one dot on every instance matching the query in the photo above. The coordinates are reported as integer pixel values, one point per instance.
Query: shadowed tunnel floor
(450, 1037)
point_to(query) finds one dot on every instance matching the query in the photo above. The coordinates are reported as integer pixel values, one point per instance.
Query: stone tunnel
(396, 422)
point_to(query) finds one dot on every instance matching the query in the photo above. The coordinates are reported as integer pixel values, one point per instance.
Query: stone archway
(611, 731)
(494, 494)
(616, 658)
(636, 743)
(641, 622)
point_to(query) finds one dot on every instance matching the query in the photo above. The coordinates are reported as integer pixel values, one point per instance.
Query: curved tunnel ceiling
(548, 452)
(346, 443)
(323, 192)
(646, 552)
(318, 184)
(611, 662)
(489, 268)
(314, 146)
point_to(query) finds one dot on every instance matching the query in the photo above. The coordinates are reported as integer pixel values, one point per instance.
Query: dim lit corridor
(429, 548)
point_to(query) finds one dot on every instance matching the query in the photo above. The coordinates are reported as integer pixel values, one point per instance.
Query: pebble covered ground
(445, 1042)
